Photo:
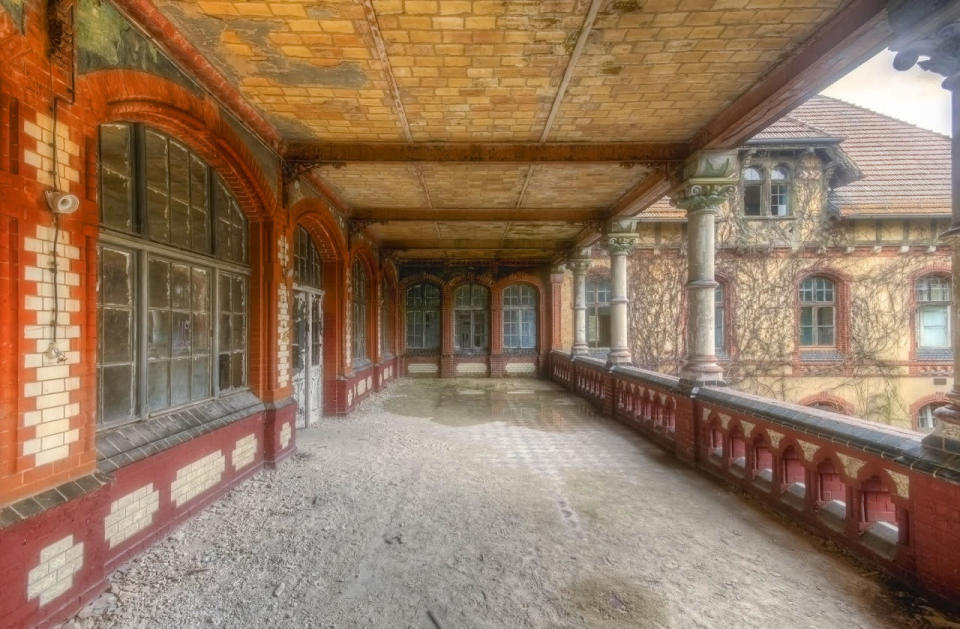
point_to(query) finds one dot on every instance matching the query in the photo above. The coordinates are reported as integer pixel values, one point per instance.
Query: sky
(914, 95)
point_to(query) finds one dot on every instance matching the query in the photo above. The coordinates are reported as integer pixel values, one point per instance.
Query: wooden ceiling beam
(389, 215)
(856, 33)
(508, 152)
(518, 244)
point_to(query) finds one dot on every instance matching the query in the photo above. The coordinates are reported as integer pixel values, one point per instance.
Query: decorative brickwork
(196, 478)
(53, 576)
(54, 378)
(285, 433)
(38, 151)
(131, 514)
(244, 453)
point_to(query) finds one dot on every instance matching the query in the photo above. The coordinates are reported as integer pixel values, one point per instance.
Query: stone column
(942, 51)
(621, 240)
(580, 265)
(709, 180)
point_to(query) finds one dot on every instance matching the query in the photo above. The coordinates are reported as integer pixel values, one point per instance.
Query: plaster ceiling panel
(376, 185)
(580, 185)
(658, 70)
(480, 69)
(311, 67)
(403, 230)
(478, 185)
(474, 254)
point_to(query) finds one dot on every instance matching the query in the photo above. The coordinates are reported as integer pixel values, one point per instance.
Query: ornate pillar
(942, 49)
(556, 309)
(708, 181)
(621, 240)
(580, 265)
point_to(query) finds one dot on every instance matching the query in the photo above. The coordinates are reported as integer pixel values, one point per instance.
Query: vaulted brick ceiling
(493, 71)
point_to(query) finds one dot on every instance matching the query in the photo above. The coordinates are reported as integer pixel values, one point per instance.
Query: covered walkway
(489, 503)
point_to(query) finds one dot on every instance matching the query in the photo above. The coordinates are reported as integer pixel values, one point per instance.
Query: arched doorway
(307, 329)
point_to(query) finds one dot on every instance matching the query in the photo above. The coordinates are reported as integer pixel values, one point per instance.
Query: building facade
(834, 287)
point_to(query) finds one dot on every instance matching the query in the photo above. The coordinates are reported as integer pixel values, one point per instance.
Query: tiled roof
(789, 128)
(905, 169)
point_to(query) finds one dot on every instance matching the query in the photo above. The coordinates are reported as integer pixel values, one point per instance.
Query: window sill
(820, 355)
(359, 364)
(944, 354)
(118, 446)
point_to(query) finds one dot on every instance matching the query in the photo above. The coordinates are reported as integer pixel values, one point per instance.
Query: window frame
(595, 307)
(307, 261)
(929, 304)
(816, 307)
(765, 185)
(932, 405)
(359, 305)
(474, 312)
(137, 242)
(422, 310)
(521, 310)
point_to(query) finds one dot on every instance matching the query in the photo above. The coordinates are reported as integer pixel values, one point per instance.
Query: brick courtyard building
(219, 220)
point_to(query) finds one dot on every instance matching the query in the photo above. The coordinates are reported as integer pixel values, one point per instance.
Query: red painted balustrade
(872, 489)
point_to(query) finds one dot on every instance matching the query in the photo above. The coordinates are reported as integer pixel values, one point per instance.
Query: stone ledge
(44, 501)
(127, 444)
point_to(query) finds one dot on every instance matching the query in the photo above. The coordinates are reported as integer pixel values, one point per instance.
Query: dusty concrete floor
(480, 503)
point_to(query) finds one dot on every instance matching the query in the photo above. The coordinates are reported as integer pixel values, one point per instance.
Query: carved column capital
(579, 265)
(621, 237)
(709, 179)
(940, 44)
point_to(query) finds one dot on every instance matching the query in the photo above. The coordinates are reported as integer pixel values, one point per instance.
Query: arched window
(358, 337)
(598, 311)
(172, 261)
(307, 269)
(472, 318)
(817, 312)
(519, 317)
(719, 325)
(386, 308)
(926, 421)
(766, 192)
(825, 405)
(752, 192)
(933, 312)
(423, 317)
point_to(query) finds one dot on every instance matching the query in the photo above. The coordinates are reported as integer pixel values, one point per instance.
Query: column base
(580, 350)
(946, 435)
(702, 371)
(619, 357)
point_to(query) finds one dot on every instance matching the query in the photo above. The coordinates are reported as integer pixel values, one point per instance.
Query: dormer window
(766, 192)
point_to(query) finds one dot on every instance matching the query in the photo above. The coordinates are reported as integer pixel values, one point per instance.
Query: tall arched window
(423, 317)
(598, 311)
(358, 337)
(472, 318)
(386, 309)
(172, 271)
(519, 317)
(307, 268)
(818, 310)
(933, 312)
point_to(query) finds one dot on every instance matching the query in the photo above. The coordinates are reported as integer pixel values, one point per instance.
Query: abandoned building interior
(222, 222)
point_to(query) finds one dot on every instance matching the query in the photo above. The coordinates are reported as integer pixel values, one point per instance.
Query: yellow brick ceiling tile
(580, 185)
(375, 185)
(485, 185)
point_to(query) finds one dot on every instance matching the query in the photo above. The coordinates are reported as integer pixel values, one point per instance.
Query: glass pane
(431, 329)
(180, 285)
(200, 381)
(223, 364)
(200, 332)
(116, 201)
(752, 174)
(180, 381)
(226, 334)
(180, 224)
(431, 296)
(199, 230)
(158, 333)
(180, 333)
(463, 330)
(159, 284)
(806, 335)
(752, 200)
(200, 289)
(158, 385)
(237, 372)
(316, 331)
(237, 302)
(115, 277)
(116, 334)
(237, 332)
(116, 393)
(934, 326)
(179, 172)
(825, 335)
(462, 296)
(158, 216)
